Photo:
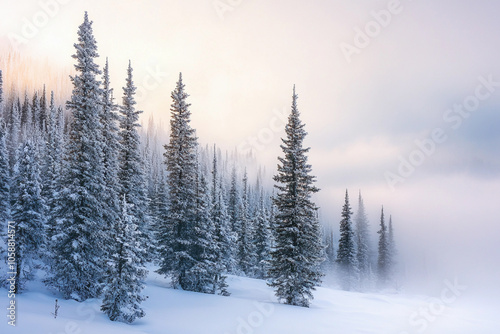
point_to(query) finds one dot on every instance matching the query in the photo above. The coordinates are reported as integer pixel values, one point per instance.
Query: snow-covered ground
(252, 308)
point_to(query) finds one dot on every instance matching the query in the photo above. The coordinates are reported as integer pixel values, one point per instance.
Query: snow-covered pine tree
(330, 258)
(4, 177)
(204, 247)
(131, 173)
(44, 111)
(81, 239)
(125, 282)
(36, 112)
(28, 213)
(14, 132)
(110, 150)
(297, 254)
(392, 249)
(362, 240)
(1, 95)
(262, 237)
(346, 253)
(246, 247)
(383, 263)
(52, 166)
(176, 231)
(26, 116)
(234, 202)
(233, 207)
(222, 235)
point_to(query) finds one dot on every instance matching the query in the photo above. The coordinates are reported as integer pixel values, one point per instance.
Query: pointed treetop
(294, 101)
(382, 221)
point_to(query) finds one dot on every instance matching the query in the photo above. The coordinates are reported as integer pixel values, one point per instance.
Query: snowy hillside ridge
(252, 308)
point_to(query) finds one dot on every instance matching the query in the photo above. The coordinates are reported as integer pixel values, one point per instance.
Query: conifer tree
(204, 247)
(131, 173)
(80, 252)
(26, 116)
(392, 249)
(383, 263)
(330, 258)
(262, 238)
(125, 282)
(14, 132)
(246, 247)
(297, 255)
(28, 211)
(346, 253)
(176, 230)
(36, 112)
(362, 239)
(1, 95)
(234, 202)
(233, 211)
(4, 176)
(44, 111)
(222, 236)
(52, 166)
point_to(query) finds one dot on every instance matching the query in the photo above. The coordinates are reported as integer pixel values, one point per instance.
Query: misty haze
(236, 166)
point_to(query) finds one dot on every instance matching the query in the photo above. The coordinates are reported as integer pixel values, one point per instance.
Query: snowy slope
(252, 308)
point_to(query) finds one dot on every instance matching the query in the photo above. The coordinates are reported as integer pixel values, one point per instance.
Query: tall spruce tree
(124, 284)
(246, 247)
(330, 258)
(28, 213)
(14, 131)
(36, 112)
(80, 252)
(4, 177)
(346, 253)
(26, 116)
(362, 240)
(221, 223)
(204, 247)
(1, 95)
(44, 111)
(392, 249)
(262, 238)
(233, 207)
(131, 173)
(383, 264)
(297, 255)
(52, 166)
(111, 150)
(234, 202)
(176, 236)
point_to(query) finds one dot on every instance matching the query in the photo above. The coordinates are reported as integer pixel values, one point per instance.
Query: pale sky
(362, 111)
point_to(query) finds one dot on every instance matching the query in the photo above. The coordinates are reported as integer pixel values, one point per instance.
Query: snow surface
(252, 309)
